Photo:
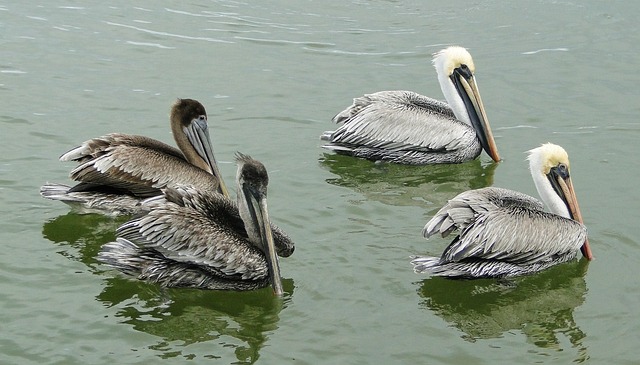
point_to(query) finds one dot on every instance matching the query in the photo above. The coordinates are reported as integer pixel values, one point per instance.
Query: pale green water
(271, 76)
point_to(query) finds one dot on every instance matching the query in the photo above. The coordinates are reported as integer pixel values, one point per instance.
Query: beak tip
(495, 156)
(586, 251)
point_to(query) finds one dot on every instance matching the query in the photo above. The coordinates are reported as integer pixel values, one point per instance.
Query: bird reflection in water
(540, 306)
(234, 325)
(399, 185)
(226, 320)
(81, 235)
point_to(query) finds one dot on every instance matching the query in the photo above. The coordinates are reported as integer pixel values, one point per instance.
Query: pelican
(201, 239)
(504, 233)
(408, 128)
(117, 171)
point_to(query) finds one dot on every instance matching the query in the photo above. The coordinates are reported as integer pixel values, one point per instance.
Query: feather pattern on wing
(91, 201)
(194, 230)
(501, 233)
(460, 211)
(137, 164)
(192, 238)
(150, 265)
(402, 120)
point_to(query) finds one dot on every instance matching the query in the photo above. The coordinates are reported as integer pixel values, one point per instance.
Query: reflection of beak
(198, 135)
(260, 215)
(468, 90)
(568, 195)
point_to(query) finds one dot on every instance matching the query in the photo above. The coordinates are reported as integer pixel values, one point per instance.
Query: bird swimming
(201, 239)
(504, 233)
(408, 128)
(117, 171)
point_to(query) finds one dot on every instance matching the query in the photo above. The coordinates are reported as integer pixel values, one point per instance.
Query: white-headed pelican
(504, 233)
(201, 239)
(117, 171)
(408, 128)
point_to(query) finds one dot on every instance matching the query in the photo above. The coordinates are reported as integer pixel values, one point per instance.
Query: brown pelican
(505, 233)
(117, 171)
(408, 128)
(201, 239)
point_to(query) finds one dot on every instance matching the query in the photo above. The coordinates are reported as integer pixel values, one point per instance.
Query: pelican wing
(225, 211)
(500, 224)
(136, 164)
(461, 211)
(401, 120)
(96, 147)
(189, 227)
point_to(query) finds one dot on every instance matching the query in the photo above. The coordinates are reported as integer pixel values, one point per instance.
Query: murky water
(271, 76)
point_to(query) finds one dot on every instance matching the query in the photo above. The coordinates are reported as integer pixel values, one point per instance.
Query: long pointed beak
(270, 248)
(260, 216)
(572, 202)
(478, 116)
(198, 134)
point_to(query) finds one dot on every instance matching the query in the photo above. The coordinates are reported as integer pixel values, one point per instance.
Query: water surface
(271, 76)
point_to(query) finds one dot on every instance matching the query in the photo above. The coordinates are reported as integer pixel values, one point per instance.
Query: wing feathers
(184, 234)
(401, 120)
(137, 164)
(501, 224)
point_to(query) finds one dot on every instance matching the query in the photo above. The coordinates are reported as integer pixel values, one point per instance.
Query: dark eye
(202, 117)
(563, 170)
(464, 71)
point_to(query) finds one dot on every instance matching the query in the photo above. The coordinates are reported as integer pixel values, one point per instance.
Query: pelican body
(504, 233)
(408, 128)
(117, 171)
(201, 239)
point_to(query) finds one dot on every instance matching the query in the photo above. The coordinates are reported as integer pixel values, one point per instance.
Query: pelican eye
(563, 170)
(202, 117)
(464, 70)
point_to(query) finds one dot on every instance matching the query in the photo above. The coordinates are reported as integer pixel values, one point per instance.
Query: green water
(272, 75)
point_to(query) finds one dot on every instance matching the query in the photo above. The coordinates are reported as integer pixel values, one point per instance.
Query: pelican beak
(467, 87)
(198, 134)
(260, 216)
(567, 193)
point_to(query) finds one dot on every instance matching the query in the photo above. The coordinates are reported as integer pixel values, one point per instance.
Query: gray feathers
(149, 265)
(117, 171)
(137, 167)
(191, 238)
(104, 201)
(402, 127)
(501, 233)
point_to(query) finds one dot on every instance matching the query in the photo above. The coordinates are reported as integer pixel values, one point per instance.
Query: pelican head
(456, 71)
(252, 181)
(549, 165)
(191, 132)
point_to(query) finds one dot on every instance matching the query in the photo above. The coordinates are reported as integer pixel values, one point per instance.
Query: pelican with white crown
(408, 128)
(504, 233)
(117, 171)
(201, 239)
